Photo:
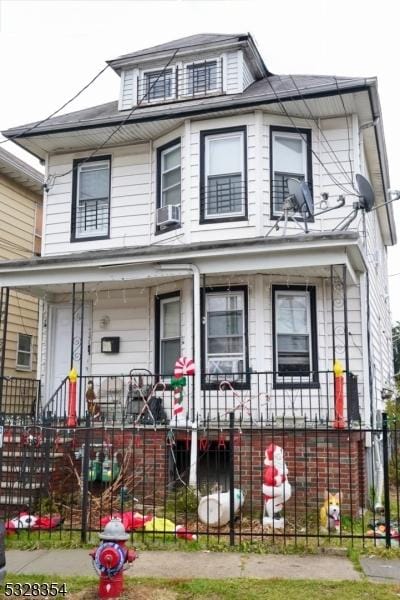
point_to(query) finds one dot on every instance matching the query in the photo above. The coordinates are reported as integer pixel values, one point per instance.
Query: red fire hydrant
(111, 558)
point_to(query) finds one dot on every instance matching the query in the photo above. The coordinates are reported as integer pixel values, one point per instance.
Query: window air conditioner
(167, 215)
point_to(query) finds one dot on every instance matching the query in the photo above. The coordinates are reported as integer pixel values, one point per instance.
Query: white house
(170, 229)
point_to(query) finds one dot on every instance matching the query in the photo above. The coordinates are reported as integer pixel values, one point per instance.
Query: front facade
(20, 237)
(169, 230)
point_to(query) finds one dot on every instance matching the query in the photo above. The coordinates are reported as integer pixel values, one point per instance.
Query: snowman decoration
(276, 488)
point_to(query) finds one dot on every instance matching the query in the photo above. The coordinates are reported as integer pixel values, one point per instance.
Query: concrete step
(26, 485)
(15, 501)
(37, 454)
(17, 468)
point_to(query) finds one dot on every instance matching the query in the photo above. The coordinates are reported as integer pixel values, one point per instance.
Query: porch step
(35, 454)
(15, 501)
(26, 485)
(15, 468)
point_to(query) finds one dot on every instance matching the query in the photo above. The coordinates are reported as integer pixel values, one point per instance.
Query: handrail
(54, 394)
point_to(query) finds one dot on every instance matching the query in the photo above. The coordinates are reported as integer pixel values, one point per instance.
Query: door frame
(50, 342)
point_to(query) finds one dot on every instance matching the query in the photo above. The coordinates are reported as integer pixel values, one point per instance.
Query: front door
(59, 345)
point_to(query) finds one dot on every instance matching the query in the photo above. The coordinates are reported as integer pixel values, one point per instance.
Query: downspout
(197, 360)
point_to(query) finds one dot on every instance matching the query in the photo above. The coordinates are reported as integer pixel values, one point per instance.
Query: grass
(85, 588)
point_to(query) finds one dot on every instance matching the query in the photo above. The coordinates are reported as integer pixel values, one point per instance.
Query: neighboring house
(159, 236)
(21, 193)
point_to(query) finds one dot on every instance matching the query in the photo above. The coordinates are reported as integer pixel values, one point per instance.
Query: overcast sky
(50, 49)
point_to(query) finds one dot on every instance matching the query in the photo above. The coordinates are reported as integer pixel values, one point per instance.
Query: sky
(51, 49)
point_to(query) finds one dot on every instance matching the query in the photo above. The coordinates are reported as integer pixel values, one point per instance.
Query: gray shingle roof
(18, 170)
(185, 42)
(268, 89)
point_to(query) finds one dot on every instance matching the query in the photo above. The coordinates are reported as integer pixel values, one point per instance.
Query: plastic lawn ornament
(339, 400)
(110, 470)
(72, 376)
(183, 366)
(25, 520)
(95, 468)
(276, 488)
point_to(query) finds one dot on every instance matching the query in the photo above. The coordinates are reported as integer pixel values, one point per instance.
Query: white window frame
(293, 136)
(234, 356)
(213, 137)
(189, 67)
(143, 95)
(18, 366)
(162, 303)
(98, 232)
(307, 295)
(163, 152)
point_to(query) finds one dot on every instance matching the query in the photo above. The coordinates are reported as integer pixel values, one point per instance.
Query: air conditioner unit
(168, 215)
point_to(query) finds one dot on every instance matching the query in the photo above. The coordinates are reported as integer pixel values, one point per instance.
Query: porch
(264, 330)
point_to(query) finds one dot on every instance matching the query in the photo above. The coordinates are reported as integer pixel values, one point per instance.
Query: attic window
(202, 77)
(157, 85)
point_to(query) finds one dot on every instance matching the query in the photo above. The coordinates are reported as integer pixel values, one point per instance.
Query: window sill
(25, 369)
(206, 221)
(89, 239)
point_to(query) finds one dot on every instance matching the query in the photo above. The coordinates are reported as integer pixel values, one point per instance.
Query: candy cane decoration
(183, 366)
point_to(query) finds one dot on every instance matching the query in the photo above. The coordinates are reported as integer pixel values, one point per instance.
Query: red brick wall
(316, 461)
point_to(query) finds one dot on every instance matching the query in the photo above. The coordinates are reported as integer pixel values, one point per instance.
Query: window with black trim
(290, 158)
(169, 186)
(225, 337)
(223, 175)
(168, 333)
(24, 352)
(91, 198)
(295, 335)
(202, 77)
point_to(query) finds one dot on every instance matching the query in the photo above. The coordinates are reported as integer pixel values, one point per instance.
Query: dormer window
(202, 77)
(157, 85)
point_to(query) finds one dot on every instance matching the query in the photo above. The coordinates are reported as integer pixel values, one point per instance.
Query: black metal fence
(251, 396)
(218, 482)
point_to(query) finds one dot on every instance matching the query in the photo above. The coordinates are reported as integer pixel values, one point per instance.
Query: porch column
(197, 376)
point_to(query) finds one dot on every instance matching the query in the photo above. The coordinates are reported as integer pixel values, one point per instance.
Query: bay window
(223, 192)
(290, 159)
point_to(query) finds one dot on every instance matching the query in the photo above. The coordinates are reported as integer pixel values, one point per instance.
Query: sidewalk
(189, 565)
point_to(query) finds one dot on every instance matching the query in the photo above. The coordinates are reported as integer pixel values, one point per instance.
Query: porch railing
(144, 398)
(20, 396)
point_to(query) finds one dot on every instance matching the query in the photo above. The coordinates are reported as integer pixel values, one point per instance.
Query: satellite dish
(301, 192)
(367, 196)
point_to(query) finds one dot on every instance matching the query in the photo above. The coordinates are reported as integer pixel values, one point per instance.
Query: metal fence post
(85, 480)
(386, 488)
(231, 481)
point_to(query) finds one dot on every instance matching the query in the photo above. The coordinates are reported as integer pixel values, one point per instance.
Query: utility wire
(304, 138)
(51, 183)
(17, 135)
(331, 150)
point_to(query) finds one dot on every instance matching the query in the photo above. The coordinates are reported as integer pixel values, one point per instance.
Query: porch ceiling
(146, 266)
